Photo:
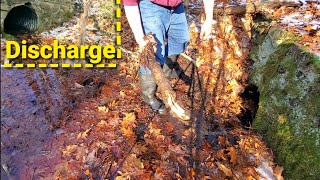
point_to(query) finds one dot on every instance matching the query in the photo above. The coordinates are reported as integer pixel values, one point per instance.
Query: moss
(287, 38)
(7, 36)
(288, 117)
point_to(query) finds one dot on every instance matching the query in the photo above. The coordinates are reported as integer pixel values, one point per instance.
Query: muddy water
(32, 103)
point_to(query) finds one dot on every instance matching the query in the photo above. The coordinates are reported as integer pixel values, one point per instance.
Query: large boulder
(288, 117)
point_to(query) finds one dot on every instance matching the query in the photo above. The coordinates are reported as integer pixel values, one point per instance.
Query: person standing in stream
(165, 19)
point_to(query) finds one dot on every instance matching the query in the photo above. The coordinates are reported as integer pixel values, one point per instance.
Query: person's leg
(178, 32)
(155, 20)
(178, 37)
(153, 17)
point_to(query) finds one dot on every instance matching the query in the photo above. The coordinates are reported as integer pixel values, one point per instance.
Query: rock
(288, 117)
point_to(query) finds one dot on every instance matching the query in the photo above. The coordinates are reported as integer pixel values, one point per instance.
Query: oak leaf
(233, 155)
(277, 172)
(223, 168)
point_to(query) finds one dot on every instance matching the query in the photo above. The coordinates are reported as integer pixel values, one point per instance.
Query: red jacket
(171, 3)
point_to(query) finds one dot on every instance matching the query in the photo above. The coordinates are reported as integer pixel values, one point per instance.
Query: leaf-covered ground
(92, 123)
(303, 22)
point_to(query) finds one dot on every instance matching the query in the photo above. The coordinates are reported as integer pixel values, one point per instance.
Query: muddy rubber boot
(148, 88)
(171, 67)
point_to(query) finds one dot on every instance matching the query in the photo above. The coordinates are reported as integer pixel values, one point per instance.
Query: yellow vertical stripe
(119, 53)
(118, 26)
(118, 40)
(118, 13)
(118, 2)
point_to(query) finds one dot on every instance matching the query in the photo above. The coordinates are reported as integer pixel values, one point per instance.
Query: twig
(195, 63)
(168, 95)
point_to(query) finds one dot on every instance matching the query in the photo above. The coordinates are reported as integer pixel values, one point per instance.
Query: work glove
(207, 25)
(206, 29)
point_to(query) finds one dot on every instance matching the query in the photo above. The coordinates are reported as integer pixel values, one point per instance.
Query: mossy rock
(288, 116)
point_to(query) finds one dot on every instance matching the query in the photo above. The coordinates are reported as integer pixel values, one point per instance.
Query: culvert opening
(250, 98)
(21, 19)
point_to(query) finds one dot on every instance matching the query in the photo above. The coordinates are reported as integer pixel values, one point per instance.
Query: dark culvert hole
(250, 97)
(20, 20)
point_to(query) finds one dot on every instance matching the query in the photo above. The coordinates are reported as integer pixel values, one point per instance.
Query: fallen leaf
(83, 135)
(223, 168)
(277, 172)
(78, 85)
(139, 148)
(221, 154)
(169, 127)
(222, 140)
(122, 93)
(191, 173)
(233, 155)
(69, 150)
(87, 172)
(103, 108)
(129, 120)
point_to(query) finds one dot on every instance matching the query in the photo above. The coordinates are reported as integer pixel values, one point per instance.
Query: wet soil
(35, 104)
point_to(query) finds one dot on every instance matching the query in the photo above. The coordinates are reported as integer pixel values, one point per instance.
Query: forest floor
(92, 123)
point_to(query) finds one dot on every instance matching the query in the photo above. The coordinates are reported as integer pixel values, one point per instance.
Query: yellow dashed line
(88, 65)
(118, 13)
(42, 65)
(112, 65)
(100, 66)
(7, 65)
(77, 65)
(31, 65)
(54, 65)
(65, 65)
(19, 65)
(119, 53)
(118, 37)
(118, 26)
(118, 40)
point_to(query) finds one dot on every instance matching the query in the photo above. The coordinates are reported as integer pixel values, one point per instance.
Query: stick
(168, 95)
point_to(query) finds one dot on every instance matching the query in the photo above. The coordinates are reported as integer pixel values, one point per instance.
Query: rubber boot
(171, 67)
(148, 88)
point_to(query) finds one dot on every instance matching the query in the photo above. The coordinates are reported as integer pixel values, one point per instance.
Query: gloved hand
(142, 44)
(206, 29)
(207, 25)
